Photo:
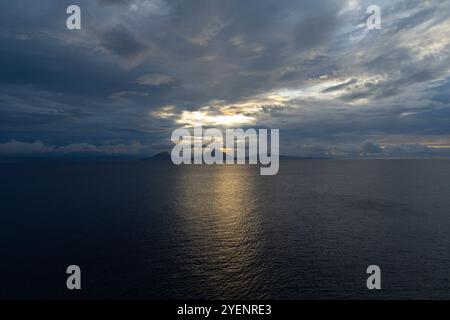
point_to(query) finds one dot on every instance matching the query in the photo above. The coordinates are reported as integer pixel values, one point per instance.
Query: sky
(139, 69)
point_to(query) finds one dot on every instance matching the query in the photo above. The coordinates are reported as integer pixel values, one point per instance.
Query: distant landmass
(162, 156)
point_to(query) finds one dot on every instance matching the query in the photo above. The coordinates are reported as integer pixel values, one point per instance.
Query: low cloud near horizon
(366, 149)
(14, 147)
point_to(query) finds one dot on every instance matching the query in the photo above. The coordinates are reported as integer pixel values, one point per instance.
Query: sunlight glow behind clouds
(190, 118)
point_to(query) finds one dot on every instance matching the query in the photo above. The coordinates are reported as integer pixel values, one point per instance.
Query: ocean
(152, 230)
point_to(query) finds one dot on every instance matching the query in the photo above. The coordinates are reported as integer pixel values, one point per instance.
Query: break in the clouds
(138, 69)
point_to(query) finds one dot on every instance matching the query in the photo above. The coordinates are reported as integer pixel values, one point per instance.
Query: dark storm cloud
(122, 42)
(108, 84)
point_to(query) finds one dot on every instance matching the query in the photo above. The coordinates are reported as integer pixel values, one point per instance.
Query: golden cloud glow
(201, 117)
(165, 112)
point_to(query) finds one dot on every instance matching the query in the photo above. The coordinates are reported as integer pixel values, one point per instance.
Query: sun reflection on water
(221, 228)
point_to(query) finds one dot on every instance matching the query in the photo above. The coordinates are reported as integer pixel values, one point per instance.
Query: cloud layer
(14, 147)
(139, 69)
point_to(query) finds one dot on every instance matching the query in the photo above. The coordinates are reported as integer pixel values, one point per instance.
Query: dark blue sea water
(154, 230)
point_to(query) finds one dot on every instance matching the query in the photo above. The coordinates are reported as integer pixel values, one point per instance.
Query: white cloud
(15, 147)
